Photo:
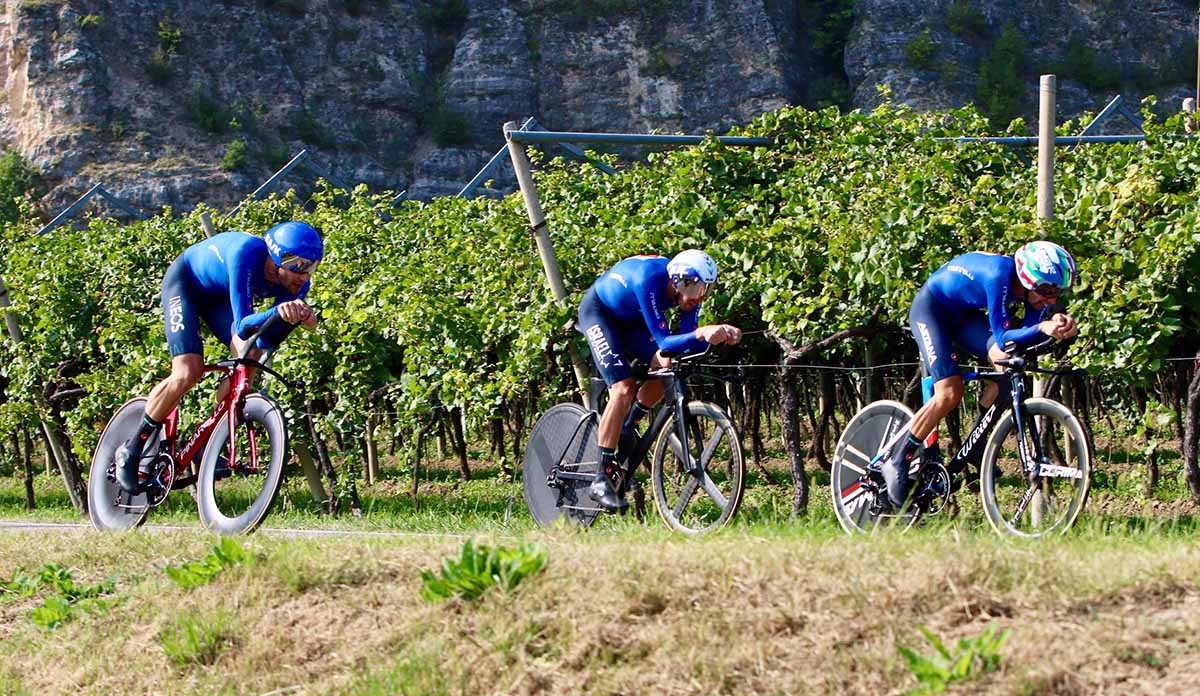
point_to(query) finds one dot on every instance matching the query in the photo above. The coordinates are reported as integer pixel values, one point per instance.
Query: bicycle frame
(1031, 457)
(677, 398)
(239, 387)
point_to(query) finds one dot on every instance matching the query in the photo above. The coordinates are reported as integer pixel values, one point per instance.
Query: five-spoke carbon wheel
(700, 490)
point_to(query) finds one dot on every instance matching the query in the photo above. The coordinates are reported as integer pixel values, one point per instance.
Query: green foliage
(312, 131)
(829, 27)
(198, 640)
(89, 20)
(169, 37)
(64, 598)
(1081, 62)
(971, 657)
(1001, 83)
(447, 125)
(445, 301)
(158, 68)
(207, 112)
(480, 568)
(444, 15)
(964, 19)
(292, 8)
(226, 554)
(235, 156)
(921, 51)
(17, 180)
(276, 156)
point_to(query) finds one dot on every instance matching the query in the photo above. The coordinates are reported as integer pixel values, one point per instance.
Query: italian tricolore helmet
(1045, 267)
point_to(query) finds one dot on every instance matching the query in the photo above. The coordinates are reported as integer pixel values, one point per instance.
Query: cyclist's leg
(975, 335)
(641, 344)
(182, 325)
(929, 324)
(219, 318)
(607, 347)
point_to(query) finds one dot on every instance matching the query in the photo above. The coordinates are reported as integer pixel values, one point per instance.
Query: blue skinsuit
(218, 279)
(623, 317)
(950, 310)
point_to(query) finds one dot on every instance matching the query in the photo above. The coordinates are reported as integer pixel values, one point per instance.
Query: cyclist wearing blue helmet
(623, 317)
(965, 304)
(218, 280)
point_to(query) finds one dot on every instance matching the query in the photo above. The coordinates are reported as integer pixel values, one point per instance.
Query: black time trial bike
(1033, 455)
(698, 468)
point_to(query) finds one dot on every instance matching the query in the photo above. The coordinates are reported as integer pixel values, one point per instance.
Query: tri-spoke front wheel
(699, 490)
(868, 439)
(236, 489)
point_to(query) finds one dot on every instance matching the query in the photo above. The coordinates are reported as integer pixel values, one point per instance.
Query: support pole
(541, 235)
(1046, 118)
(14, 329)
(206, 224)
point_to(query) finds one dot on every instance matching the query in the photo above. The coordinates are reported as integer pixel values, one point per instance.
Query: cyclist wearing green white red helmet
(965, 304)
(217, 280)
(623, 317)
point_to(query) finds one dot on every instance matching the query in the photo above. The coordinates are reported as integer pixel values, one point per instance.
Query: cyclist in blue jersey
(965, 303)
(218, 280)
(624, 318)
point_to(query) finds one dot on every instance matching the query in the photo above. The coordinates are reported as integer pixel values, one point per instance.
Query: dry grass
(626, 612)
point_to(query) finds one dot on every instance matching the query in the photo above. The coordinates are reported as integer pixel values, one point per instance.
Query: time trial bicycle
(698, 469)
(241, 448)
(1033, 455)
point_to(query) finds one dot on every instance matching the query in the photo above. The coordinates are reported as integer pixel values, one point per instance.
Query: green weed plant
(971, 657)
(64, 597)
(480, 568)
(226, 554)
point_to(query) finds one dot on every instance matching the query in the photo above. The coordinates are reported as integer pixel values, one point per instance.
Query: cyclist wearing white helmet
(965, 304)
(218, 280)
(623, 317)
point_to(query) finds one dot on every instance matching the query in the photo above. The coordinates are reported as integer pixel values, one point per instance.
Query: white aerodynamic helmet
(692, 266)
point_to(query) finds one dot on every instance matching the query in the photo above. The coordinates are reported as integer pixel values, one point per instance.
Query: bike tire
(561, 432)
(110, 508)
(238, 503)
(1056, 501)
(714, 441)
(863, 439)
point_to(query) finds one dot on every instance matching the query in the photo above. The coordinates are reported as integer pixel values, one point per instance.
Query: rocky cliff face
(147, 96)
(1098, 48)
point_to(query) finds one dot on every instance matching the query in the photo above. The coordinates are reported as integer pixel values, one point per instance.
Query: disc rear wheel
(109, 507)
(560, 463)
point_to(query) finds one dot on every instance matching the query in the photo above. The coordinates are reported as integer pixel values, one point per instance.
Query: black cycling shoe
(125, 462)
(602, 492)
(895, 475)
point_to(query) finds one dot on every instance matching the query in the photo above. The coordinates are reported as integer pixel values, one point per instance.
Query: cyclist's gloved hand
(1060, 327)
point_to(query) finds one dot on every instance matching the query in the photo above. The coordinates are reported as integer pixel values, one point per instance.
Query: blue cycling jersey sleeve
(638, 286)
(980, 280)
(231, 265)
(1001, 322)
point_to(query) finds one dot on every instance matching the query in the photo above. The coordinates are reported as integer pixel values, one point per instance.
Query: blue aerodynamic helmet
(296, 246)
